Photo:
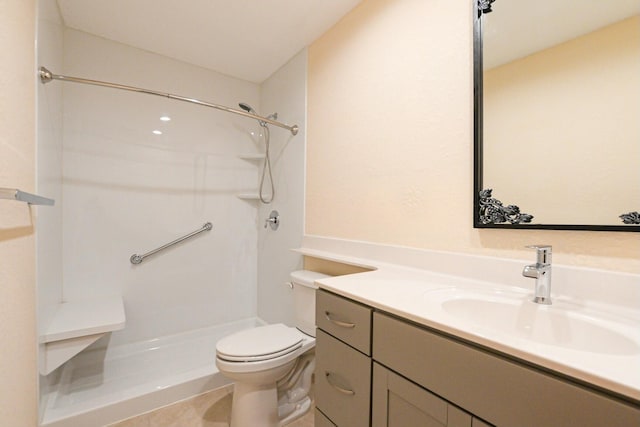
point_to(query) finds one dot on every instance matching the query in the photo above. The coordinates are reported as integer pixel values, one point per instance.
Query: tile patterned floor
(306, 421)
(211, 409)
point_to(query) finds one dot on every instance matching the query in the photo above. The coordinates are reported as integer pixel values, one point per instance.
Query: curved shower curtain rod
(46, 76)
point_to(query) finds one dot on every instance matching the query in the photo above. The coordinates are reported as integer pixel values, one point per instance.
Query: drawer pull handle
(339, 322)
(340, 389)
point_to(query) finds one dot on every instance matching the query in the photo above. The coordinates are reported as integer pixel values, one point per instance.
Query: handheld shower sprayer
(249, 109)
(267, 161)
(246, 107)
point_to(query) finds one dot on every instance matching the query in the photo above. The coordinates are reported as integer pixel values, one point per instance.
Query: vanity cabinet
(495, 388)
(343, 362)
(405, 374)
(398, 402)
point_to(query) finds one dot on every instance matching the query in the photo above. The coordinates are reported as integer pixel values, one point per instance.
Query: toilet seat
(259, 344)
(274, 346)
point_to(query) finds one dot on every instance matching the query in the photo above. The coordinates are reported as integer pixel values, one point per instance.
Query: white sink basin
(562, 325)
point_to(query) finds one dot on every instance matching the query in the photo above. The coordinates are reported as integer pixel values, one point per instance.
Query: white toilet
(272, 365)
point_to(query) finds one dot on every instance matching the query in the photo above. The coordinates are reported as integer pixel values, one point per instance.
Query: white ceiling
(517, 28)
(247, 39)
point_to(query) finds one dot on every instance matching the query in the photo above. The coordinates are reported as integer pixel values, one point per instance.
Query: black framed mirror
(556, 107)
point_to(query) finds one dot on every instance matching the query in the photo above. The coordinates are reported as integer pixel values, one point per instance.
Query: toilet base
(301, 408)
(254, 406)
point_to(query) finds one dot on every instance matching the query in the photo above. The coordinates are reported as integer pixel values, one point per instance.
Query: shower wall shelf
(252, 157)
(78, 324)
(248, 196)
(22, 196)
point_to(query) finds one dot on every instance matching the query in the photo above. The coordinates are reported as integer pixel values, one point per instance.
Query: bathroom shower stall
(130, 173)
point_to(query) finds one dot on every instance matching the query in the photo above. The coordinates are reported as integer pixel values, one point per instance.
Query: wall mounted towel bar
(137, 259)
(21, 196)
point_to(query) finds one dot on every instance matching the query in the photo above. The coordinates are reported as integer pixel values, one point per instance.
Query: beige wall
(577, 104)
(17, 169)
(390, 139)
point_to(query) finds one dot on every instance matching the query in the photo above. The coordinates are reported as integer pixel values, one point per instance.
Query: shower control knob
(273, 221)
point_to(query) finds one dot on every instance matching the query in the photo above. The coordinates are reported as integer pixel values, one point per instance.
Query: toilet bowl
(272, 365)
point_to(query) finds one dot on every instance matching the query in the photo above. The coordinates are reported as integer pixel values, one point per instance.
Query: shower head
(246, 107)
(249, 109)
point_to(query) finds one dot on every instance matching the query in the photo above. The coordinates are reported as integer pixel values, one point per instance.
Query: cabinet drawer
(343, 382)
(344, 319)
(497, 389)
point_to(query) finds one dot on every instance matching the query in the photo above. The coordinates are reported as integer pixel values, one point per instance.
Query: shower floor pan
(99, 387)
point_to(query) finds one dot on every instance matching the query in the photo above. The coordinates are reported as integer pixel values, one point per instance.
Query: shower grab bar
(137, 259)
(21, 196)
(46, 76)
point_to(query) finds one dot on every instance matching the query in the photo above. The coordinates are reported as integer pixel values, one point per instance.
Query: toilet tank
(304, 299)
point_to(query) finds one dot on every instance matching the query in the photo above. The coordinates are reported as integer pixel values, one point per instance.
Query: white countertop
(408, 292)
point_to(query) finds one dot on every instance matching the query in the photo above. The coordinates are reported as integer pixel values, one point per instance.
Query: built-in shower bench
(76, 325)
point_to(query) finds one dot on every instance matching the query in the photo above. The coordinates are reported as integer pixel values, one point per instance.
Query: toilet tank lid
(307, 278)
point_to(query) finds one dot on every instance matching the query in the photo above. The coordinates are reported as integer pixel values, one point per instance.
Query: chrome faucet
(541, 271)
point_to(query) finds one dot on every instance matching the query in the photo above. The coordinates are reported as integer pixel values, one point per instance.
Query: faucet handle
(543, 253)
(273, 221)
